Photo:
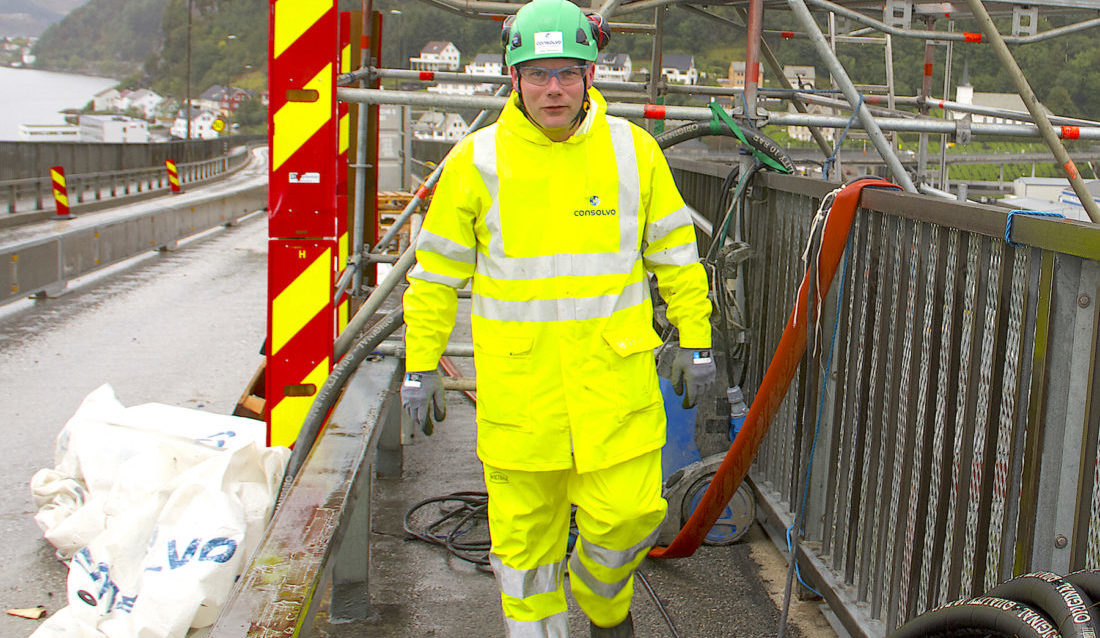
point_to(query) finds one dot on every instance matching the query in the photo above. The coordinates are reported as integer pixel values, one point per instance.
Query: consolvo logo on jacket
(594, 202)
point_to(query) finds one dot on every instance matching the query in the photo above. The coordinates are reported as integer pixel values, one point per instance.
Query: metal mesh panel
(927, 494)
(928, 587)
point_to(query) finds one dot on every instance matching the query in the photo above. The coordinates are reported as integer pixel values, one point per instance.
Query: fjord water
(36, 97)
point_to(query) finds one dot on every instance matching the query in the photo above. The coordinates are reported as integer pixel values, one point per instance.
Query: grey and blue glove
(693, 373)
(421, 391)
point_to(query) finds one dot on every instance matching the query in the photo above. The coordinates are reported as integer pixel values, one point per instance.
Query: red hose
(776, 380)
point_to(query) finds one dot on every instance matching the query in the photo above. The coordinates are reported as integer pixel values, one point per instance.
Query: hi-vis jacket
(558, 238)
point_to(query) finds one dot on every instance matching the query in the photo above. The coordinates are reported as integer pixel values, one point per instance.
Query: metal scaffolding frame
(896, 19)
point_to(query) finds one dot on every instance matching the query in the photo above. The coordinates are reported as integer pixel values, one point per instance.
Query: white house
(965, 94)
(142, 100)
(679, 68)
(49, 133)
(613, 66)
(453, 88)
(202, 125)
(211, 99)
(436, 56)
(106, 100)
(486, 64)
(433, 125)
(113, 128)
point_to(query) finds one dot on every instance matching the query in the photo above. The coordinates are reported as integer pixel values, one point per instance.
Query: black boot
(625, 629)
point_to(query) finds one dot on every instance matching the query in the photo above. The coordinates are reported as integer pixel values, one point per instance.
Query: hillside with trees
(145, 41)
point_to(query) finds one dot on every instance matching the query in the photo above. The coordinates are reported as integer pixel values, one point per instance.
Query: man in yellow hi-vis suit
(557, 213)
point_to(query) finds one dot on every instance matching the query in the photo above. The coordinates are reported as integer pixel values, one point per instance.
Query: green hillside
(106, 37)
(145, 41)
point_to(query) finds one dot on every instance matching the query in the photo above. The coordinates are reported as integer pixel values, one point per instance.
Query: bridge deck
(419, 590)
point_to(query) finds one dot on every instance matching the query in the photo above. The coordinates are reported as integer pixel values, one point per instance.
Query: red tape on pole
(1071, 169)
(1071, 133)
(776, 380)
(972, 37)
(654, 111)
(787, 35)
(427, 76)
(928, 69)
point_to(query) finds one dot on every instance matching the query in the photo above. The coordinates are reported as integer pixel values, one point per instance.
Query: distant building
(106, 100)
(965, 94)
(436, 56)
(486, 64)
(736, 75)
(1050, 195)
(803, 132)
(113, 128)
(447, 127)
(49, 133)
(613, 66)
(202, 124)
(800, 77)
(143, 101)
(679, 68)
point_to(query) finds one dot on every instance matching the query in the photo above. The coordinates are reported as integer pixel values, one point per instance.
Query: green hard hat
(548, 29)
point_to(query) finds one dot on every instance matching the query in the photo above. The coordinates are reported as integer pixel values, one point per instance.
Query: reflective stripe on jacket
(557, 238)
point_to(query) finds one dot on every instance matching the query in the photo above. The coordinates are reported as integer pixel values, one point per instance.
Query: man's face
(554, 104)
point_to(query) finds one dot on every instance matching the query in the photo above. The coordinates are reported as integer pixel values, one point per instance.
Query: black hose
(755, 138)
(328, 394)
(1061, 601)
(985, 616)
(463, 512)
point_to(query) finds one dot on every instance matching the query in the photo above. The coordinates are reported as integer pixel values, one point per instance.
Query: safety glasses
(567, 75)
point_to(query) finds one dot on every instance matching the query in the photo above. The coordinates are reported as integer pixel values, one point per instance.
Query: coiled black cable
(462, 514)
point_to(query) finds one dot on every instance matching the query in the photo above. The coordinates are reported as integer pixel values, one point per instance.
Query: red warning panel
(302, 120)
(300, 331)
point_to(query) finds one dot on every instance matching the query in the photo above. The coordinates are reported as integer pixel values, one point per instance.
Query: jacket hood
(513, 120)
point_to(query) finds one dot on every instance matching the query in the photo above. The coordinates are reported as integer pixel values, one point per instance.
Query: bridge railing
(959, 399)
(87, 190)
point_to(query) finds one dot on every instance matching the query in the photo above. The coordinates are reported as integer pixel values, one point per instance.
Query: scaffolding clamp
(962, 131)
(898, 13)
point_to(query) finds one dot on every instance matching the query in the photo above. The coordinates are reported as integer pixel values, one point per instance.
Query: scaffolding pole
(840, 76)
(697, 113)
(1046, 130)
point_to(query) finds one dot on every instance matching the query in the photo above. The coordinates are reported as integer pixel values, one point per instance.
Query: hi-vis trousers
(619, 511)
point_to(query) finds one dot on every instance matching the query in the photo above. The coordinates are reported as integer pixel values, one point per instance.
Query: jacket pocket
(630, 340)
(505, 376)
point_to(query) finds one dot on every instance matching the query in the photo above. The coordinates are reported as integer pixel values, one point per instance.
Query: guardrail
(88, 191)
(320, 533)
(45, 265)
(957, 443)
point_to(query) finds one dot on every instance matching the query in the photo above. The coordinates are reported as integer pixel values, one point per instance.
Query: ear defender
(601, 31)
(506, 38)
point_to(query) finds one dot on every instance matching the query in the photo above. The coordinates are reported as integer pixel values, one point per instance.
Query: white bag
(159, 509)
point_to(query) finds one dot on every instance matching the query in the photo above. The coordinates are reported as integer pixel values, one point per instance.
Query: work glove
(417, 391)
(693, 373)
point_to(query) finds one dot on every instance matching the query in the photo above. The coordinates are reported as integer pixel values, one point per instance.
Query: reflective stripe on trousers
(619, 510)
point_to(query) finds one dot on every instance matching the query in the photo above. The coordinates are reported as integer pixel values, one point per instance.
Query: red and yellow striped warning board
(60, 192)
(302, 208)
(173, 175)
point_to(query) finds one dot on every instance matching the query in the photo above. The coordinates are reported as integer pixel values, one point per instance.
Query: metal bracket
(898, 13)
(962, 131)
(1025, 20)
